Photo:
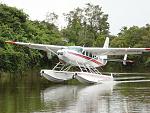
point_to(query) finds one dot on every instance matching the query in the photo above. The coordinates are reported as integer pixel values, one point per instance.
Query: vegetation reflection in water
(30, 93)
(19, 94)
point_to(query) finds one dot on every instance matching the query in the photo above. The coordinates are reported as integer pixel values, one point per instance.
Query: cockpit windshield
(82, 51)
(77, 48)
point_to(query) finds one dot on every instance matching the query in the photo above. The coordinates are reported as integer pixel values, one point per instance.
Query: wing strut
(51, 51)
(124, 59)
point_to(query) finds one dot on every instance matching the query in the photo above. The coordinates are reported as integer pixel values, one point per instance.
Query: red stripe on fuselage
(86, 57)
(148, 49)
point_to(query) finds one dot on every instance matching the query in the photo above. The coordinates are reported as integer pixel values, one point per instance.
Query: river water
(32, 94)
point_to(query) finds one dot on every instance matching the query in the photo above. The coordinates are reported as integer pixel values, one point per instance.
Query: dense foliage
(15, 25)
(135, 37)
(85, 27)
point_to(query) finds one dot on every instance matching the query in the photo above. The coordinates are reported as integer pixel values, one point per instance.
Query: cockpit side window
(87, 54)
(82, 51)
(78, 49)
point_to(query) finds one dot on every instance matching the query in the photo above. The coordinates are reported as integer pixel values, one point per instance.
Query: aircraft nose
(60, 52)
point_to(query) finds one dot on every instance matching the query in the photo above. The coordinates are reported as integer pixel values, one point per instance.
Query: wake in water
(131, 77)
(132, 81)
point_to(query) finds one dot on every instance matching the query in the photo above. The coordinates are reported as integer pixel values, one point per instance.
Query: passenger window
(96, 57)
(90, 55)
(93, 56)
(87, 54)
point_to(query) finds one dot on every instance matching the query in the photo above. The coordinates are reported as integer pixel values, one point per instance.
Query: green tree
(15, 26)
(134, 37)
(86, 25)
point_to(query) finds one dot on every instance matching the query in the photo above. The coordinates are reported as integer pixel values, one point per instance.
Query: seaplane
(87, 59)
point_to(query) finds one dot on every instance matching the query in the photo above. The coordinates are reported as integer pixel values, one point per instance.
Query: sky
(121, 12)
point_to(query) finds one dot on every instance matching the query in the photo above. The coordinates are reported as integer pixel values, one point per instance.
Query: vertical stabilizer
(106, 44)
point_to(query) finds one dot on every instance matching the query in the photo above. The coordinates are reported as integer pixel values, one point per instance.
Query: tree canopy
(86, 26)
(15, 25)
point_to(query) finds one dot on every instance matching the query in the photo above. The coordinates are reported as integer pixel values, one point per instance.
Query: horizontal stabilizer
(119, 60)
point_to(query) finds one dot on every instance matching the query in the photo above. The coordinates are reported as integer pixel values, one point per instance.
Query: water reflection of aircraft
(95, 98)
(58, 98)
(59, 93)
(86, 58)
(78, 99)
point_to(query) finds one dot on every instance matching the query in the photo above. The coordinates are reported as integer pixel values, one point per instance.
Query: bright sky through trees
(121, 12)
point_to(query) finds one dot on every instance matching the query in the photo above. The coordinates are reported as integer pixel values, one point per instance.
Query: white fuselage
(76, 58)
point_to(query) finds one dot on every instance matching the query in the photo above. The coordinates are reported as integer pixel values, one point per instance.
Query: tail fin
(106, 44)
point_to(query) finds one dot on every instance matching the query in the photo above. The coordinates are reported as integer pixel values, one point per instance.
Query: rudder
(106, 44)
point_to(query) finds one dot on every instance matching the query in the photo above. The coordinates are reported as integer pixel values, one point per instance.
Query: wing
(116, 51)
(43, 47)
